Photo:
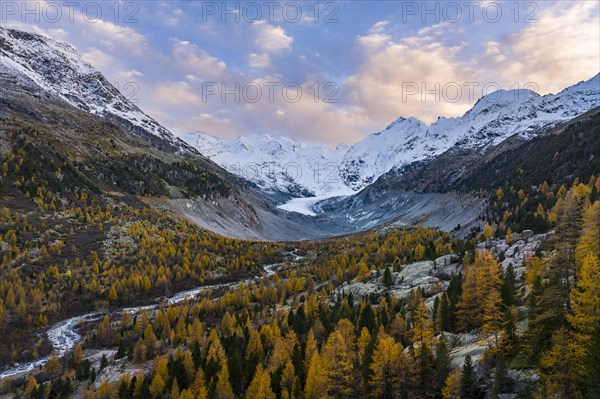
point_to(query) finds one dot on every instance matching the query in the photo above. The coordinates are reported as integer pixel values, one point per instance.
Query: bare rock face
(464, 345)
(430, 276)
(521, 247)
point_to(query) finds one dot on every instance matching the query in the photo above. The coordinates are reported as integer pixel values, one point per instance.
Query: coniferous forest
(300, 331)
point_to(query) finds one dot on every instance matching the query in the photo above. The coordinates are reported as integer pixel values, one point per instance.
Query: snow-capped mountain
(343, 170)
(41, 64)
(277, 164)
(492, 119)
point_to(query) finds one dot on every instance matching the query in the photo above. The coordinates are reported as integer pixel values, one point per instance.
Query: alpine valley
(454, 260)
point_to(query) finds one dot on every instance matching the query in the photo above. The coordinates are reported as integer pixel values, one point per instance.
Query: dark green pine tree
(384, 317)
(508, 290)
(124, 392)
(367, 318)
(445, 313)
(104, 362)
(425, 367)
(132, 383)
(442, 364)
(145, 390)
(435, 312)
(500, 378)
(39, 392)
(468, 380)
(546, 313)
(454, 291)
(387, 277)
(397, 264)
(300, 323)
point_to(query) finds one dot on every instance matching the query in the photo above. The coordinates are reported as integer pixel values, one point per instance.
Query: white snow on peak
(205, 143)
(502, 99)
(41, 64)
(494, 118)
(277, 163)
(282, 164)
(273, 163)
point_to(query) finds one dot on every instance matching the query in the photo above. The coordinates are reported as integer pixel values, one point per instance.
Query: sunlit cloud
(370, 55)
(271, 38)
(560, 50)
(191, 58)
(384, 87)
(259, 60)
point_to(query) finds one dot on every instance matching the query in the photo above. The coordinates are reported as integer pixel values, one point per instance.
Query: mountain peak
(592, 84)
(504, 98)
(492, 119)
(342, 147)
(44, 65)
(410, 121)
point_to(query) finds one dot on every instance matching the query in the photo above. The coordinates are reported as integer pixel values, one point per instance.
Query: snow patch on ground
(305, 205)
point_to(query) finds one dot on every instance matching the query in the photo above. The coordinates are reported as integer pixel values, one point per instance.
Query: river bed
(63, 336)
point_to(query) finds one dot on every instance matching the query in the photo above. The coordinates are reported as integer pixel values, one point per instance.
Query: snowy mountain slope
(45, 82)
(38, 63)
(329, 172)
(403, 140)
(277, 164)
(492, 119)
(281, 165)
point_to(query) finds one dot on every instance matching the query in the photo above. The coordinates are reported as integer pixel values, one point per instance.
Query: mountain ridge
(37, 62)
(165, 172)
(493, 118)
(276, 164)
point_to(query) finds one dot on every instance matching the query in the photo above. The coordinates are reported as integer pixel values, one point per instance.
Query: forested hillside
(299, 332)
(559, 156)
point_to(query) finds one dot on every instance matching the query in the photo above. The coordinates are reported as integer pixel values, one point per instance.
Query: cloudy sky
(325, 72)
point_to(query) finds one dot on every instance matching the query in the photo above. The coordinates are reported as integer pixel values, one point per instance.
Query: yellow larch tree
(589, 241)
(493, 318)
(422, 326)
(316, 380)
(585, 299)
(198, 387)
(287, 379)
(390, 368)
(452, 388)
(562, 364)
(223, 388)
(157, 386)
(337, 366)
(481, 280)
(260, 387)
